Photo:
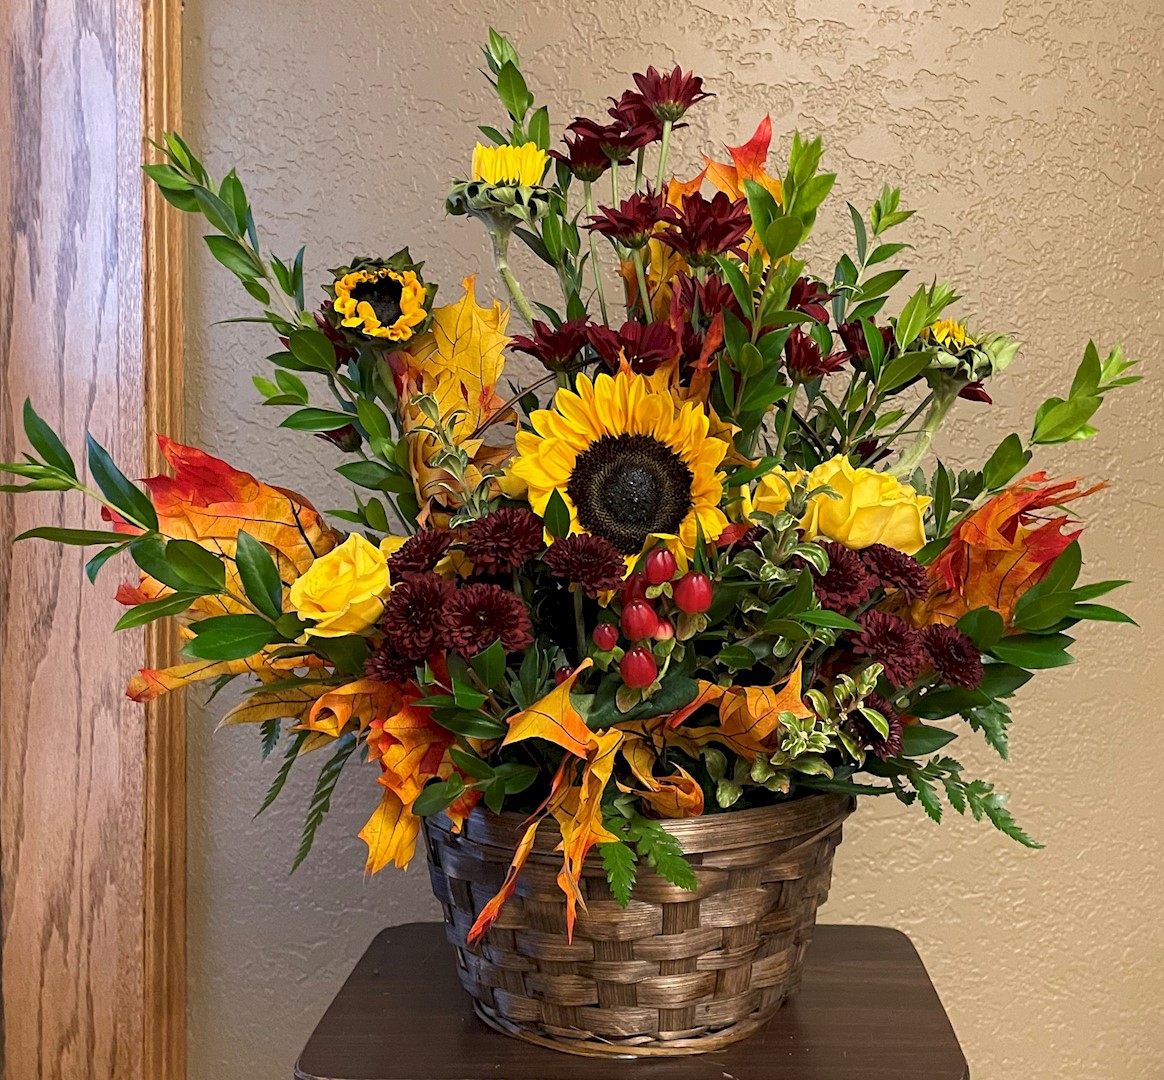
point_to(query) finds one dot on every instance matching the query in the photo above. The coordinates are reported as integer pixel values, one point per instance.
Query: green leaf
(1002, 680)
(1034, 651)
(140, 614)
(259, 575)
(376, 477)
(902, 370)
(983, 626)
(557, 516)
(1005, 463)
(236, 258)
(74, 537)
(1064, 420)
(93, 566)
(196, 565)
(619, 861)
(514, 94)
(834, 620)
(125, 496)
(269, 732)
(1040, 609)
(1100, 613)
(289, 759)
(473, 725)
(539, 128)
(489, 664)
(879, 284)
(438, 795)
(312, 349)
(912, 319)
(316, 420)
(466, 697)
(992, 720)
(470, 764)
(736, 658)
(1097, 589)
(782, 236)
(1088, 374)
(321, 797)
(45, 442)
(1065, 569)
(229, 637)
(921, 739)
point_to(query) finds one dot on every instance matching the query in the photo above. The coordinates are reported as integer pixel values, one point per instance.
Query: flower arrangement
(714, 569)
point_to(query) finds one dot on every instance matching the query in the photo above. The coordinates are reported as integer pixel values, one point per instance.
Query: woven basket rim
(709, 832)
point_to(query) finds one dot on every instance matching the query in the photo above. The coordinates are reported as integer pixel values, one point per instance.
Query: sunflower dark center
(626, 487)
(384, 297)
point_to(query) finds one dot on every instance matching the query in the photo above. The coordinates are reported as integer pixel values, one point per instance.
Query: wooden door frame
(92, 789)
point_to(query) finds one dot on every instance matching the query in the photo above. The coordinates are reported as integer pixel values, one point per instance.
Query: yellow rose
(344, 590)
(873, 507)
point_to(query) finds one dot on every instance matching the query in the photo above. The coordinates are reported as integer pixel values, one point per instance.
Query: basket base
(630, 1049)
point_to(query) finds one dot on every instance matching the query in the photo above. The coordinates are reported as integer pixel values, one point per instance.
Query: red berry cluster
(641, 624)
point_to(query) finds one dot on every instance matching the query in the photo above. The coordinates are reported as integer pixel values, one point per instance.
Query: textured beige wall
(1027, 133)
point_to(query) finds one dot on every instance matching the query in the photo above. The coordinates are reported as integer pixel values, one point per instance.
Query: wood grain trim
(164, 871)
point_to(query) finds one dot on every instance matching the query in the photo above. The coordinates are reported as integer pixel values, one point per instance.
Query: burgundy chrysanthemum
(475, 616)
(714, 295)
(590, 562)
(882, 746)
(670, 96)
(420, 552)
(584, 157)
(955, 657)
(846, 584)
(892, 643)
(893, 569)
(810, 297)
(634, 113)
(976, 391)
(803, 359)
(413, 620)
(705, 227)
(503, 540)
(386, 665)
(852, 334)
(645, 346)
(633, 222)
(618, 142)
(556, 350)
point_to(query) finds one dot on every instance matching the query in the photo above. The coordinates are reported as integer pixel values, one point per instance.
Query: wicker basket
(675, 972)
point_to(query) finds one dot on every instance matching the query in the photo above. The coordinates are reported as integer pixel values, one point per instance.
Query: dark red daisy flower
(892, 643)
(852, 334)
(975, 391)
(705, 227)
(413, 620)
(347, 438)
(635, 115)
(386, 665)
(475, 616)
(713, 294)
(618, 142)
(955, 657)
(590, 562)
(882, 746)
(810, 297)
(803, 359)
(646, 346)
(556, 350)
(584, 157)
(420, 552)
(633, 223)
(893, 569)
(846, 584)
(503, 540)
(670, 96)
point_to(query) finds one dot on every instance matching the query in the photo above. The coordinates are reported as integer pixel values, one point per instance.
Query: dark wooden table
(865, 1011)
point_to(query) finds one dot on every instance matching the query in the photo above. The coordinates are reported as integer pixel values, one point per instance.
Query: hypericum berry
(562, 674)
(605, 636)
(665, 631)
(637, 668)
(633, 588)
(660, 566)
(693, 593)
(639, 620)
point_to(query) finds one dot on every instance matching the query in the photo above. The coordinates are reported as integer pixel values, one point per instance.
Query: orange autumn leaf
(675, 796)
(748, 162)
(492, 909)
(1000, 551)
(290, 703)
(364, 701)
(390, 834)
(150, 683)
(554, 719)
(410, 748)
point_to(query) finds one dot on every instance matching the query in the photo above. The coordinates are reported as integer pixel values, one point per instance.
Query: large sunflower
(629, 461)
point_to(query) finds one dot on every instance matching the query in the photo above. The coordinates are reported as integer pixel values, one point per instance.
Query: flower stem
(594, 264)
(786, 423)
(500, 236)
(641, 277)
(579, 623)
(664, 148)
(639, 168)
(943, 396)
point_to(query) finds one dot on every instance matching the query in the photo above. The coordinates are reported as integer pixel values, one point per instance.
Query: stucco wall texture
(1028, 136)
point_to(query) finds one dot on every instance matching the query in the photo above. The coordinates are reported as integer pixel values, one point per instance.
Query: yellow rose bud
(344, 590)
(873, 507)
